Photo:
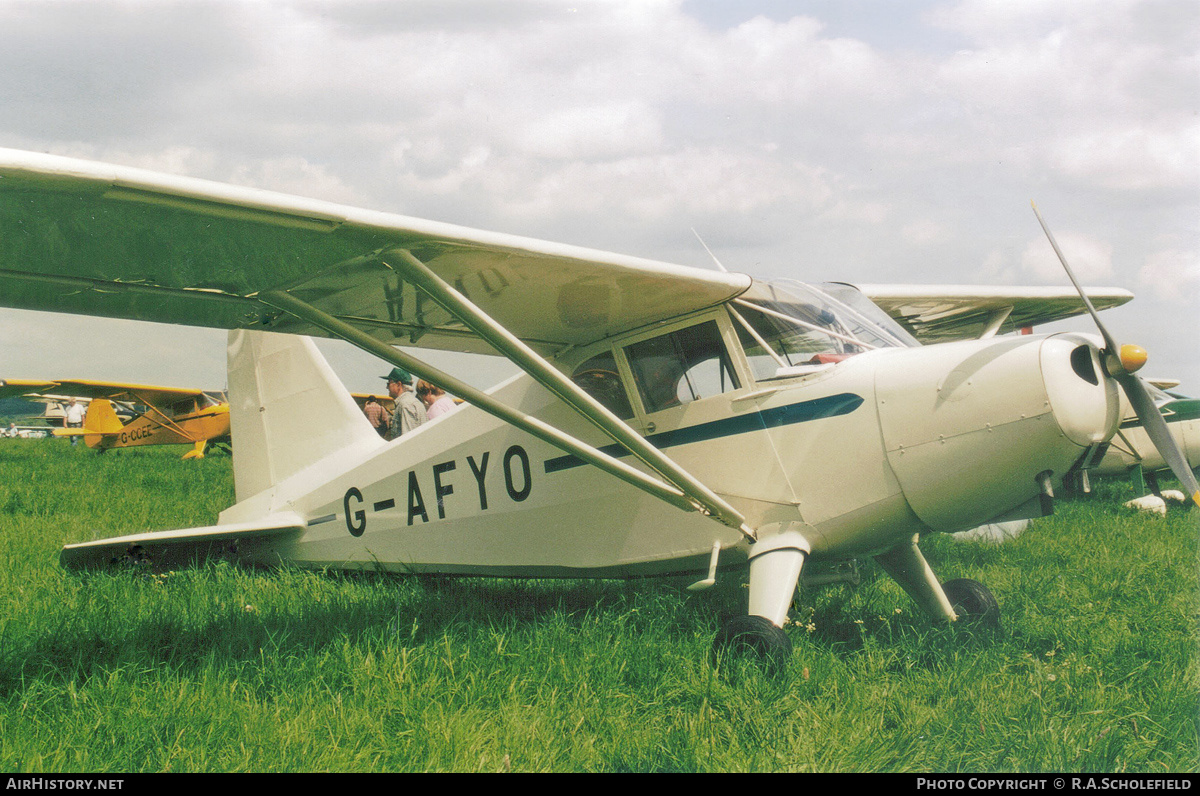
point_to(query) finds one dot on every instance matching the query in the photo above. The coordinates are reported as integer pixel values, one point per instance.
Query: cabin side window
(764, 361)
(599, 378)
(681, 367)
(184, 407)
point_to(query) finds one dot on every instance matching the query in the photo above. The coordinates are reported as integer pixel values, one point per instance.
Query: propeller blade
(1109, 343)
(1160, 435)
(1121, 362)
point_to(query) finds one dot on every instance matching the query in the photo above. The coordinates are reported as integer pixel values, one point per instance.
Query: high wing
(385, 401)
(86, 388)
(940, 313)
(96, 239)
(18, 388)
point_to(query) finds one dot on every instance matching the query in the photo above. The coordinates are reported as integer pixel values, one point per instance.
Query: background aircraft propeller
(1120, 362)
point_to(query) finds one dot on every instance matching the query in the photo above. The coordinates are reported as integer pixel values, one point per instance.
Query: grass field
(223, 669)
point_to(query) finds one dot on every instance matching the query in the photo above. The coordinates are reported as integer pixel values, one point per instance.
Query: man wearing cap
(410, 412)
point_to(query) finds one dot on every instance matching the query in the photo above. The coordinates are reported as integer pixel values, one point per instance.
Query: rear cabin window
(681, 367)
(184, 407)
(599, 378)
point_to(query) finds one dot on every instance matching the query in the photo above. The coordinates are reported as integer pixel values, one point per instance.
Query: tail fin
(288, 410)
(101, 418)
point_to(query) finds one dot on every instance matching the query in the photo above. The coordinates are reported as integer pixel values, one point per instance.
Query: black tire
(755, 637)
(974, 603)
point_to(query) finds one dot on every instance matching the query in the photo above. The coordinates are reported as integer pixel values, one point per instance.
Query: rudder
(101, 418)
(288, 410)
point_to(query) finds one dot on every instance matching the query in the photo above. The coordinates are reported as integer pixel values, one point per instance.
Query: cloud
(1173, 276)
(924, 231)
(793, 142)
(592, 131)
(1090, 259)
(1132, 159)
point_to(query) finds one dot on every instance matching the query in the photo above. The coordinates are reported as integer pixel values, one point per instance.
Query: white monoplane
(669, 420)
(1132, 451)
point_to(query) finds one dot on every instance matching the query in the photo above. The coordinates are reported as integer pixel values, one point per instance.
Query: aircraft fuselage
(158, 428)
(856, 457)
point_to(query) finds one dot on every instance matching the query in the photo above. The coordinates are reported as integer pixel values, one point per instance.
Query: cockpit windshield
(787, 324)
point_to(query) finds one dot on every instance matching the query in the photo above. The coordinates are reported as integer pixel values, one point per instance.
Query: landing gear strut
(963, 600)
(775, 564)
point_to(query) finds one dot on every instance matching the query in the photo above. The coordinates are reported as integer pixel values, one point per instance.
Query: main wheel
(974, 603)
(756, 636)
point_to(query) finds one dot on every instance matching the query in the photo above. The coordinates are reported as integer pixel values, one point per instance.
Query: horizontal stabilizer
(160, 549)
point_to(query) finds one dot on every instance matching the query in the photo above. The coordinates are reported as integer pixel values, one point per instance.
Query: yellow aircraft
(125, 415)
(385, 401)
(161, 415)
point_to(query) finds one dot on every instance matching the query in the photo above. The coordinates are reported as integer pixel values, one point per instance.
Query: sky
(871, 142)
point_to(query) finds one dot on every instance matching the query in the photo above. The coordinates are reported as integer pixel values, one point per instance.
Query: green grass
(218, 668)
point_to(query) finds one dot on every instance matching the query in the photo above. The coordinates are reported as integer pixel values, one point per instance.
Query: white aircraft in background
(668, 420)
(1132, 452)
(54, 406)
(946, 313)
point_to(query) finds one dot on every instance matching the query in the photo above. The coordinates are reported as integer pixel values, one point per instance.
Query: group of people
(415, 403)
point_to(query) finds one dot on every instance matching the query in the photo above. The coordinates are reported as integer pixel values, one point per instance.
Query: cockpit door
(692, 393)
(675, 370)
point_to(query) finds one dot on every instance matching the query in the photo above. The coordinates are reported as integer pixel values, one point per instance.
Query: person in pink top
(435, 399)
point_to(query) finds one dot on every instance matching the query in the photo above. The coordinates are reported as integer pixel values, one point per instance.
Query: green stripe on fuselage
(829, 406)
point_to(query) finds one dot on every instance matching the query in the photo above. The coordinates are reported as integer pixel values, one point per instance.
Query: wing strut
(995, 320)
(556, 382)
(166, 421)
(675, 495)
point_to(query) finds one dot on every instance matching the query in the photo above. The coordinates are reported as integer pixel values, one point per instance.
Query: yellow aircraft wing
(117, 391)
(17, 388)
(940, 313)
(385, 401)
(96, 239)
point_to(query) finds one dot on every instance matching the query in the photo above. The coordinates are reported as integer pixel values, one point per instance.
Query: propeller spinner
(1121, 362)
